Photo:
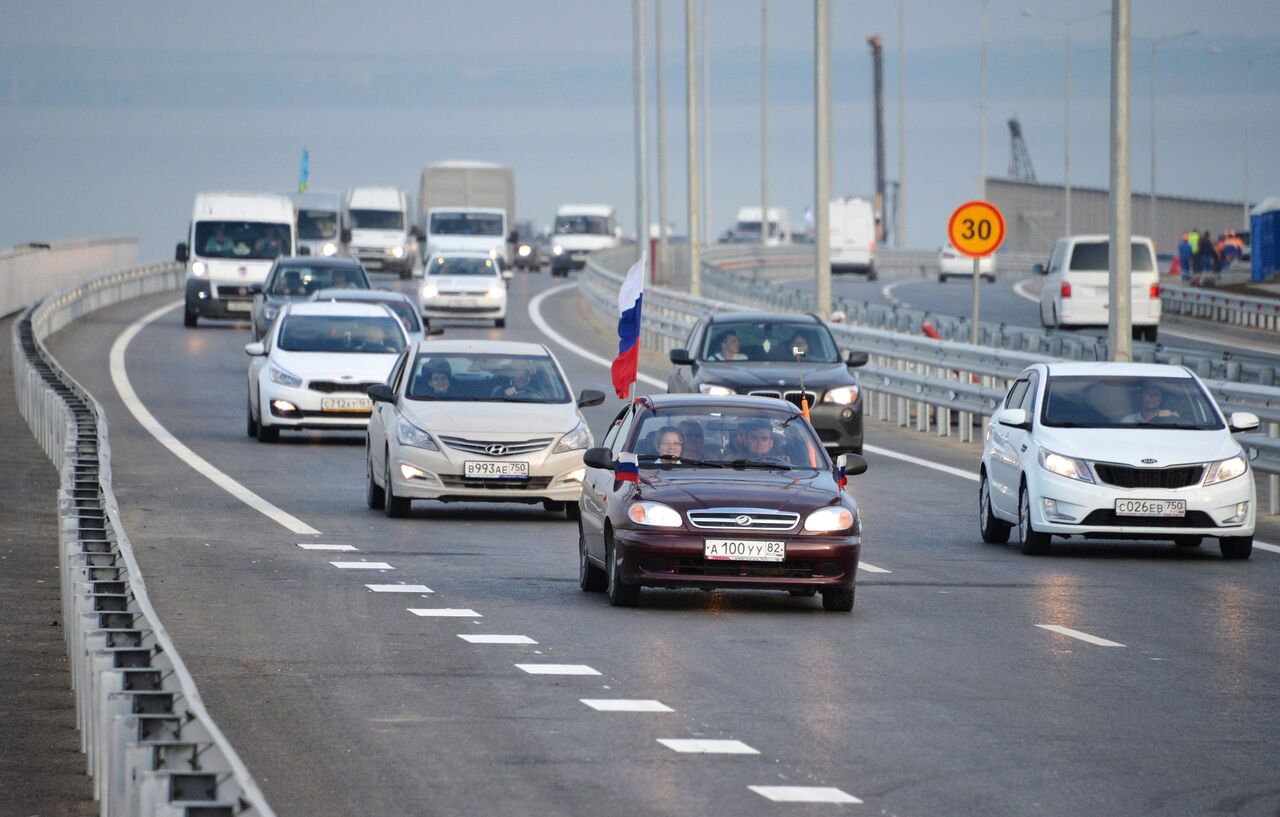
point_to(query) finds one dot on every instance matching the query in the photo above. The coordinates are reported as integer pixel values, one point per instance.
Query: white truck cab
(747, 226)
(581, 229)
(380, 225)
(467, 229)
(1077, 285)
(231, 243)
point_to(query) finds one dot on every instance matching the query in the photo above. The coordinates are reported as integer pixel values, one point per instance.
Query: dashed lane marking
(887, 292)
(1085, 637)
(703, 746)
(870, 568)
(343, 548)
(557, 669)
(399, 588)
(936, 466)
(496, 639)
(1267, 546)
(626, 705)
(804, 794)
(120, 378)
(444, 612)
(362, 565)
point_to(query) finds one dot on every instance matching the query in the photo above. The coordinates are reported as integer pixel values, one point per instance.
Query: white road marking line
(496, 639)
(399, 588)
(804, 794)
(120, 377)
(1022, 293)
(887, 292)
(557, 669)
(344, 548)
(1267, 546)
(936, 466)
(444, 612)
(625, 705)
(870, 568)
(1089, 639)
(707, 747)
(362, 565)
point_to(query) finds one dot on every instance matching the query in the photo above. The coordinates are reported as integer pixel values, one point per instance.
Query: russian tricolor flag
(841, 479)
(627, 363)
(628, 468)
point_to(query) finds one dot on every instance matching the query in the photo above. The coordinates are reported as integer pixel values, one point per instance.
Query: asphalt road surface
(942, 694)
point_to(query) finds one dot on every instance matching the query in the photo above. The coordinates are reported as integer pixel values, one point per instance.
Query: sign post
(976, 230)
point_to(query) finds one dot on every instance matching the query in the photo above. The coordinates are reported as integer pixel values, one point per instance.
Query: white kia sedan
(473, 420)
(315, 365)
(1115, 451)
(464, 285)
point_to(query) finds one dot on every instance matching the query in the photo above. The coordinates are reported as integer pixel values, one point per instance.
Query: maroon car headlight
(654, 515)
(829, 520)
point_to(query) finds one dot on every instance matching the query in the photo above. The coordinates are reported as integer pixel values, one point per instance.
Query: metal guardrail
(934, 384)
(1222, 307)
(151, 746)
(793, 261)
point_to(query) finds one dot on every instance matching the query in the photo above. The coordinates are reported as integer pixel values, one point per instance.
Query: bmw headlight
(713, 389)
(495, 291)
(1226, 469)
(580, 437)
(842, 396)
(198, 269)
(557, 250)
(329, 248)
(1063, 466)
(829, 520)
(430, 290)
(397, 252)
(409, 434)
(283, 378)
(654, 515)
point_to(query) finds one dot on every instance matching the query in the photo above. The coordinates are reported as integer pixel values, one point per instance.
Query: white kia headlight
(829, 520)
(496, 291)
(1226, 469)
(198, 269)
(430, 290)
(282, 377)
(713, 389)
(409, 434)
(1068, 467)
(842, 396)
(580, 437)
(654, 515)
(269, 311)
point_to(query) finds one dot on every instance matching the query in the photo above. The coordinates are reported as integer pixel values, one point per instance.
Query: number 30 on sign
(976, 229)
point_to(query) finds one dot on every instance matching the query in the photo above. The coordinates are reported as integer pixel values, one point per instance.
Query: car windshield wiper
(742, 464)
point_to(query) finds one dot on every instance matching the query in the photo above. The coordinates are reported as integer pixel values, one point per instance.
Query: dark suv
(770, 354)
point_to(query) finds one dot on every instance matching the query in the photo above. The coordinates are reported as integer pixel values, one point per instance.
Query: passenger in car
(759, 440)
(670, 444)
(728, 347)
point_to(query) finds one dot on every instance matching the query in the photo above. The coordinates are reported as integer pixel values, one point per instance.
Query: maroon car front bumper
(675, 559)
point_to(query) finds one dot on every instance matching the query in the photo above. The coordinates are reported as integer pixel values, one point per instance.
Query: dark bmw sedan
(779, 355)
(297, 279)
(708, 492)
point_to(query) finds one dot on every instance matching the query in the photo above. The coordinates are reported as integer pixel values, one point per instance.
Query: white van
(581, 229)
(231, 243)
(381, 228)
(1077, 285)
(467, 229)
(853, 236)
(747, 226)
(320, 224)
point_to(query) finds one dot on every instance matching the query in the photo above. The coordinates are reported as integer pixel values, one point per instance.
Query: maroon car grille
(1126, 476)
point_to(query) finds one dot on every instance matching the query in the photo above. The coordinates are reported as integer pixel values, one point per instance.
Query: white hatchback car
(315, 365)
(951, 264)
(475, 420)
(1115, 451)
(464, 285)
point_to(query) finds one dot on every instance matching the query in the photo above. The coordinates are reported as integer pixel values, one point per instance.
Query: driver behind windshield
(669, 444)
(759, 442)
(522, 383)
(1150, 406)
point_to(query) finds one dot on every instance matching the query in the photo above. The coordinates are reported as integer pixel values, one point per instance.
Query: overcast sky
(113, 115)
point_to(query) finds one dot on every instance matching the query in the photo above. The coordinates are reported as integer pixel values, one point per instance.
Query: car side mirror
(1038, 269)
(255, 349)
(590, 397)
(853, 464)
(181, 253)
(599, 457)
(680, 357)
(1242, 421)
(381, 393)
(304, 250)
(346, 235)
(1014, 418)
(854, 359)
(255, 289)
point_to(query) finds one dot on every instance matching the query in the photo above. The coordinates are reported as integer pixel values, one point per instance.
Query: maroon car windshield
(728, 437)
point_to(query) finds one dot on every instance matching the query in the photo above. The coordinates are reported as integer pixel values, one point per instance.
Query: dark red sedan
(717, 492)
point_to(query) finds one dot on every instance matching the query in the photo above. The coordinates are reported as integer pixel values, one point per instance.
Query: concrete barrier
(32, 271)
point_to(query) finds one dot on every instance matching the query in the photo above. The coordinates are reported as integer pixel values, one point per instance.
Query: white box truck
(467, 206)
(232, 240)
(747, 227)
(853, 236)
(581, 229)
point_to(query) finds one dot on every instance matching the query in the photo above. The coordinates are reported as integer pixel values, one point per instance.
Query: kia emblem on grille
(496, 450)
(1149, 461)
(743, 520)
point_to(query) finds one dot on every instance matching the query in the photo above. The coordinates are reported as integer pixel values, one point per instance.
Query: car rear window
(1095, 256)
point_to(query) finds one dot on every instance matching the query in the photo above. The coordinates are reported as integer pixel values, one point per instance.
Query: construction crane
(1020, 168)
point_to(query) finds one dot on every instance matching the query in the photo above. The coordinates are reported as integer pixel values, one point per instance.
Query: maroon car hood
(683, 489)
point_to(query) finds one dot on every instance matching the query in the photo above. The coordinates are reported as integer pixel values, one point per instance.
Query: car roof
(337, 308)
(487, 347)
(685, 400)
(353, 295)
(320, 261)
(460, 254)
(763, 317)
(1113, 369)
(1099, 237)
(585, 210)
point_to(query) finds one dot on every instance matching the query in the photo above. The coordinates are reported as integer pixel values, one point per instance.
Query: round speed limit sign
(976, 229)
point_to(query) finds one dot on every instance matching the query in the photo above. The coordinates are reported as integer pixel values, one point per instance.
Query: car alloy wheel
(1033, 542)
(994, 531)
(392, 505)
(620, 595)
(373, 495)
(590, 578)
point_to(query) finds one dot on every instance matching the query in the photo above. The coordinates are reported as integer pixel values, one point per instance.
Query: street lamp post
(1155, 41)
(1066, 97)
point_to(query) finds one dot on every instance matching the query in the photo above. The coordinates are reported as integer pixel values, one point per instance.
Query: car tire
(551, 506)
(572, 511)
(251, 425)
(500, 323)
(1188, 541)
(393, 506)
(373, 496)
(620, 594)
(872, 274)
(994, 531)
(190, 317)
(1236, 547)
(590, 578)
(266, 433)
(837, 600)
(942, 279)
(1034, 543)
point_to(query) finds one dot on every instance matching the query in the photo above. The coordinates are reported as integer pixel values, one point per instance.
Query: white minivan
(1077, 285)
(582, 229)
(232, 240)
(853, 236)
(382, 234)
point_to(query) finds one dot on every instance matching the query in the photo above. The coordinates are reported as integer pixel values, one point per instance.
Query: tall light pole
(1066, 24)
(899, 223)
(982, 126)
(1120, 326)
(706, 129)
(822, 151)
(642, 141)
(660, 268)
(764, 122)
(1155, 41)
(691, 118)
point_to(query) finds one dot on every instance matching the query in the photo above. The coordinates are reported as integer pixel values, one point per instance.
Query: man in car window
(759, 440)
(522, 383)
(728, 348)
(439, 380)
(670, 444)
(269, 245)
(219, 242)
(692, 440)
(1152, 398)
